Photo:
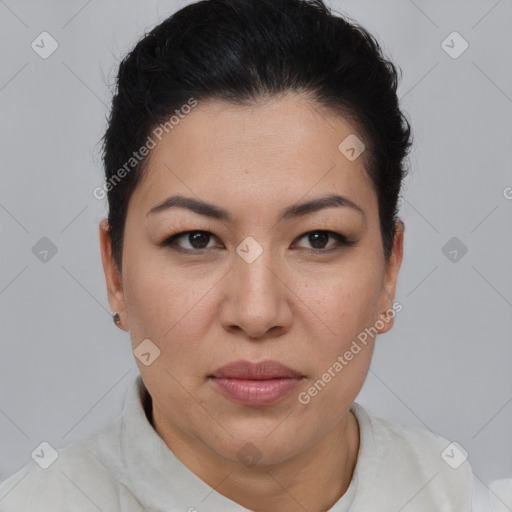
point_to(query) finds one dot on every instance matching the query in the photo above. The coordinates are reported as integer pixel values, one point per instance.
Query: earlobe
(385, 321)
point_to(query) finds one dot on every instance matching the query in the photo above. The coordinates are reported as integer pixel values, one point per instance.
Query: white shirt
(127, 467)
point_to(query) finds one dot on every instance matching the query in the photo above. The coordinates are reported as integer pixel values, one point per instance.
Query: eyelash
(342, 241)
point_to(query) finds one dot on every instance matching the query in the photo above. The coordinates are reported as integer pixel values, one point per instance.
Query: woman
(253, 159)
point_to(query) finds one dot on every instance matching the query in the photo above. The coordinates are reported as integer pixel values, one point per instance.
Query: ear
(387, 312)
(112, 274)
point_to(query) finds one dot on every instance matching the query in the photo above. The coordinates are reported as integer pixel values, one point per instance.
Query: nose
(258, 299)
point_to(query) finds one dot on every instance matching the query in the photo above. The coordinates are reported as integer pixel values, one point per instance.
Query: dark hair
(243, 51)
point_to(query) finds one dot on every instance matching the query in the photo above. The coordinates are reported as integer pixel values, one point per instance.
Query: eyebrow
(216, 212)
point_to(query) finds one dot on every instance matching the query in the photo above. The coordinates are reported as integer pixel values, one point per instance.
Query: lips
(255, 384)
(256, 371)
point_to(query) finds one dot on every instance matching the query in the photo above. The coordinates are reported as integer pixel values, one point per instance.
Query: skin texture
(207, 309)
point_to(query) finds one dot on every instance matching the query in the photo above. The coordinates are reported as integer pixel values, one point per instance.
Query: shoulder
(79, 477)
(425, 471)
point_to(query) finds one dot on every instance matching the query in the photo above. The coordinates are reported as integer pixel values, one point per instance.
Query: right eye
(197, 241)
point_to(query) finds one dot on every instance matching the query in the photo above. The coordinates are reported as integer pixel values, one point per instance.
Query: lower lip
(256, 392)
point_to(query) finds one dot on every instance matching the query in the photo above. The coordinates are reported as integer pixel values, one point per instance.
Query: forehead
(282, 148)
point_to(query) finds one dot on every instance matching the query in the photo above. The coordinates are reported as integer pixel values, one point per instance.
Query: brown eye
(189, 241)
(198, 239)
(319, 239)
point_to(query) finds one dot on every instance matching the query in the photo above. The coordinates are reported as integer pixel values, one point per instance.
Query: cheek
(341, 347)
(167, 305)
(341, 359)
(346, 300)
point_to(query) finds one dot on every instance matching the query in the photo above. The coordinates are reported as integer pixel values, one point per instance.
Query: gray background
(446, 365)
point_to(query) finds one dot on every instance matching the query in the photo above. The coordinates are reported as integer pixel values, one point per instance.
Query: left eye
(319, 239)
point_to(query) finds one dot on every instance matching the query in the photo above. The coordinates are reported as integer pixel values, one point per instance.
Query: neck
(314, 480)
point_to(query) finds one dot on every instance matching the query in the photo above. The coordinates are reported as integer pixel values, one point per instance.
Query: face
(260, 278)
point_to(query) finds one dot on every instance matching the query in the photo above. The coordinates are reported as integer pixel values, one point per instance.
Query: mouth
(255, 384)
